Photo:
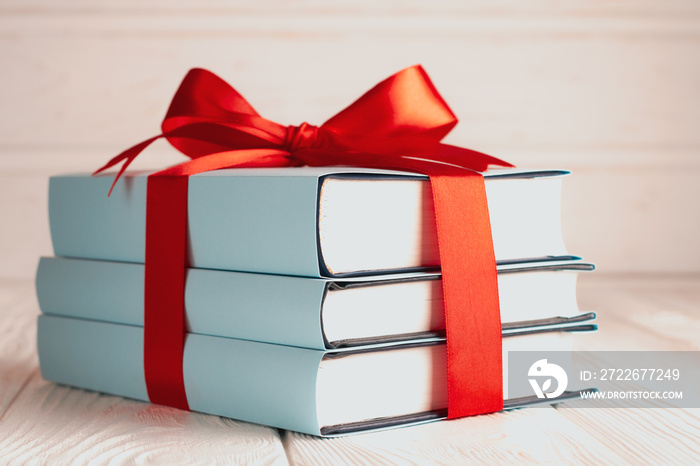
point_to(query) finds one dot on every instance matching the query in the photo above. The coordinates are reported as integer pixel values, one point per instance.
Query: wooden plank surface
(522, 436)
(522, 85)
(651, 313)
(18, 358)
(43, 422)
(643, 312)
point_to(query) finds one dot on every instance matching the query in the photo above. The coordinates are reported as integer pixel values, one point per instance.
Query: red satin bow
(398, 125)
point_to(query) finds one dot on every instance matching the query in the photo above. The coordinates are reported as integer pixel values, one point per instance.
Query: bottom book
(323, 393)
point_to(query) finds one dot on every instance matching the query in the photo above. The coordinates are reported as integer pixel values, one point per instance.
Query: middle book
(317, 313)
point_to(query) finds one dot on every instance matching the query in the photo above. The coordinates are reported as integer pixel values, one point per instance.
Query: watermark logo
(548, 371)
(609, 379)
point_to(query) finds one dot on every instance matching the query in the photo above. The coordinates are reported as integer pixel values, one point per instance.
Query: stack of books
(313, 302)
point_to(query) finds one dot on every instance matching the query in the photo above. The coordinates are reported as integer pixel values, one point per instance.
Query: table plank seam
(24, 385)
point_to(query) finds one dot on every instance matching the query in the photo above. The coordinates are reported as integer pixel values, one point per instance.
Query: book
(317, 392)
(320, 313)
(305, 221)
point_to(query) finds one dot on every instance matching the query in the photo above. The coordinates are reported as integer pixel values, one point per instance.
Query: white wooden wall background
(609, 89)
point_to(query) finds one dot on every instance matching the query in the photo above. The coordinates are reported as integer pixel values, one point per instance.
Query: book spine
(256, 382)
(269, 308)
(251, 223)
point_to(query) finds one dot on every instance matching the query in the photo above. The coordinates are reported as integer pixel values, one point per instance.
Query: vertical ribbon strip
(470, 291)
(164, 289)
(396, 125)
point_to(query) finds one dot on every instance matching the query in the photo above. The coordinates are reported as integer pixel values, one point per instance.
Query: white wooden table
(41, 422)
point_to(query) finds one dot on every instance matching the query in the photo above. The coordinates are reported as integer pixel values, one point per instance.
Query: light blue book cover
(268, 384)
(261, 383)
(289, 310)
(253, 220)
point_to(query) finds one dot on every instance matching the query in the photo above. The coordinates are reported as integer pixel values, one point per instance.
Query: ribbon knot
(396, 125)
(300, 137)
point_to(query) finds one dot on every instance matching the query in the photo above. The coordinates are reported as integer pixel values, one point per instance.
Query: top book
(316, 222)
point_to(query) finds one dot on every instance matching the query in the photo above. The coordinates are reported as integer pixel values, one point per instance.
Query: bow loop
(207, 96)
(405, 104)
(215, 118)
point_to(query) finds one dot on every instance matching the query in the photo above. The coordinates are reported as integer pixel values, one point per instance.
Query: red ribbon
(397, 125)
